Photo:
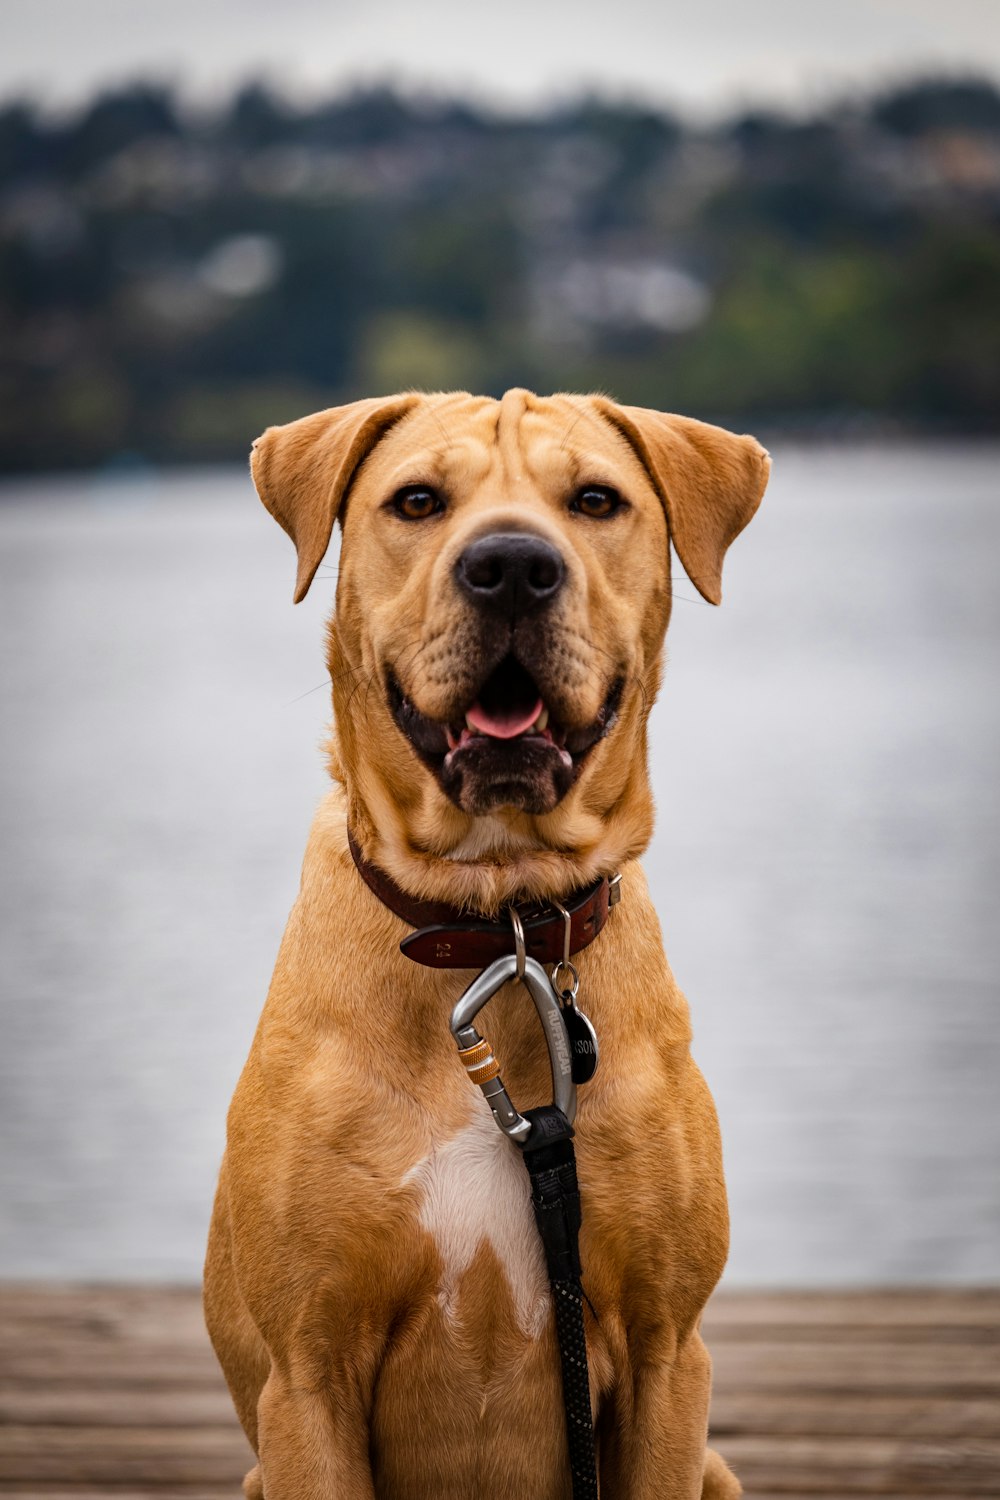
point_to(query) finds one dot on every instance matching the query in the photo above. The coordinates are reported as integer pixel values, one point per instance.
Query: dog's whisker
(402, 666)
(369, 678)
(308, 692)
(357, 688)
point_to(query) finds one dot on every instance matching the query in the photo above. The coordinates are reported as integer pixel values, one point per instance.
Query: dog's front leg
(662, 1454)
(311, 1446)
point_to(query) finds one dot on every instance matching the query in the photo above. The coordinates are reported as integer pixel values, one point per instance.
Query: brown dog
(374, 1287)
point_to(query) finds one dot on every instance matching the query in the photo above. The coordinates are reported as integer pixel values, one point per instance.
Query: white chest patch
(474, 1189)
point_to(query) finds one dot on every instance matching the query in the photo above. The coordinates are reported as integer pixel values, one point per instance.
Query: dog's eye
(416, 503)
(597, 501)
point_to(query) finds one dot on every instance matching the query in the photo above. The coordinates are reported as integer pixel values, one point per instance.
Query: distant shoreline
(172, 282)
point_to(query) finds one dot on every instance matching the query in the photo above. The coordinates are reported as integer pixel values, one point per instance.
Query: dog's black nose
(510, 572)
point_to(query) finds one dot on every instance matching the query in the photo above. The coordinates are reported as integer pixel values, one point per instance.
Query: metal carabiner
(477, 1057)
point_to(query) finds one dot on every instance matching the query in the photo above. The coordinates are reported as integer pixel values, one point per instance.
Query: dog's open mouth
(506, 748)
(509, 707)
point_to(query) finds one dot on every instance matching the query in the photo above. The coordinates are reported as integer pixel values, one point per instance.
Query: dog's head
(503, 594)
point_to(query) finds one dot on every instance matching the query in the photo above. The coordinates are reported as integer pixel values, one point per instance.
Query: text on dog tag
(582, 1044)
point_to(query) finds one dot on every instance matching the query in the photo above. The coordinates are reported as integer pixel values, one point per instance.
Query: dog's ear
(303, 470)
(710, 482)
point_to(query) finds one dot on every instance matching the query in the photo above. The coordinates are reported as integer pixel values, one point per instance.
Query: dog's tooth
(469, 725)
(542, 722)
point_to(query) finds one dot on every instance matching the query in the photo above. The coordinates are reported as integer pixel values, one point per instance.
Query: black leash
(555, 1196)
(545, 1138)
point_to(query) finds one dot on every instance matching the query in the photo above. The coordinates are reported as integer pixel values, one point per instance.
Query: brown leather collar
(450, 939)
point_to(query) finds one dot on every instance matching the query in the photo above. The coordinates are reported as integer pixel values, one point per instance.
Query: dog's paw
(718, 1480)
(253, 1484)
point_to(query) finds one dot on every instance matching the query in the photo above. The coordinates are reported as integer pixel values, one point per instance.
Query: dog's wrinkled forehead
(508, 451)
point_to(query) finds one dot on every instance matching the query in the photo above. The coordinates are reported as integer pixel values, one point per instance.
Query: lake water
(826, 863)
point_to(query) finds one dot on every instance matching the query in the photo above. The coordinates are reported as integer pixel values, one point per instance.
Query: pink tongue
(500, 725)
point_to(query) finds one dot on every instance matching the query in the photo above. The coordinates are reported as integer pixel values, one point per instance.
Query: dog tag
(582, 1043)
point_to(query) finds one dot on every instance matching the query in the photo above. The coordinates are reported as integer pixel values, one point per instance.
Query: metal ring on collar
(564, 966)
(519, 944)
(567, 931)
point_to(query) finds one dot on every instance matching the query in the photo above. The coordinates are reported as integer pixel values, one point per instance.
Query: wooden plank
(933, 1370)
(45, 1491)
(867, 1466)
(721, 1333)
(156, 1368)
(889, 1308)
(127, 1406)
(748, 1411)
(104, 1309)
(102, 1455)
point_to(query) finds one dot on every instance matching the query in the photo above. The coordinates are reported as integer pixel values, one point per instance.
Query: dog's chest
(473, 1197)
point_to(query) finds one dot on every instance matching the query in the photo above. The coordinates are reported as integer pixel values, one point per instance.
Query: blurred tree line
(171, 282)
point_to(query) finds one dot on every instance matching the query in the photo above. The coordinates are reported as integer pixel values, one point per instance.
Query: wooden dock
(114, 1392)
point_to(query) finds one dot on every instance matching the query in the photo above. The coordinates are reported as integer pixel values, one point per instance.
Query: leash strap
(555, 1196)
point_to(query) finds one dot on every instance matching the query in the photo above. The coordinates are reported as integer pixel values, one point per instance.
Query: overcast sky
(706, 54)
